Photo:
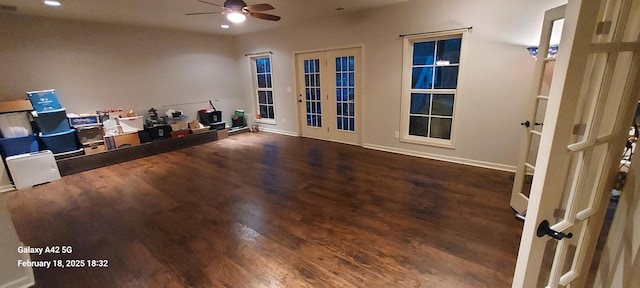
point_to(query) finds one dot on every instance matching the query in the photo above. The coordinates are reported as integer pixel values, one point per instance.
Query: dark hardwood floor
(265, 210)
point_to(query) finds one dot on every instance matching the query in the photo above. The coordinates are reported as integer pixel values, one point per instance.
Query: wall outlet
(396, 134)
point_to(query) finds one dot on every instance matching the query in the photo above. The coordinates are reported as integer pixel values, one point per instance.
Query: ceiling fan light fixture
(52, 3)
(236, 17)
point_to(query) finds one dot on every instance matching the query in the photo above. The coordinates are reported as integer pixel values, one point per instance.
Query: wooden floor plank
(266, 210)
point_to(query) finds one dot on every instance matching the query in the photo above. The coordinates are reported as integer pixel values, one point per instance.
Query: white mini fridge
(33, 169)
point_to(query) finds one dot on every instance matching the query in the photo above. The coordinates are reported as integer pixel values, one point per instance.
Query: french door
(539, 96)
(592, 100)
(329, 94)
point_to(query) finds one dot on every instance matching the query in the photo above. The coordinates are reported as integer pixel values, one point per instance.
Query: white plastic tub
(14, 125)
(131, 124)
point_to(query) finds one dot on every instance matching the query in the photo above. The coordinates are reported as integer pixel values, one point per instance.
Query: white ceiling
(171, 13)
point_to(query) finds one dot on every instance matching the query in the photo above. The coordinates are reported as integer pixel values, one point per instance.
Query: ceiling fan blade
(259, 7)
(265, 16)
(205, 2)
(202, 13)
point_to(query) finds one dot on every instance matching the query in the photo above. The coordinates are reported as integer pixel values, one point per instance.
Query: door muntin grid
(345, 93)
(313, 96)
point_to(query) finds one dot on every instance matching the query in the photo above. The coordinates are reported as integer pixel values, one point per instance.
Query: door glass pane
(619, 83)
(562, 196)
(587, 97)
(526, 184)
(540, 113)
(533, 149)
(632, 30)
(546, 77)
(547, 262)
(595, 162)
(571, 253)
(345, 87)
(607, 21)
(313, 97)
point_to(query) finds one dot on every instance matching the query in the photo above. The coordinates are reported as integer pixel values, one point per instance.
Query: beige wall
(494, 84)
(95, 66)
(620, 260)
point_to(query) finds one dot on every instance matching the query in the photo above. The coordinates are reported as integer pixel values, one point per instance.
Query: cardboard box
(15, 106)
(200, 130)
(93, 149)
(121, 141)
(222, 134)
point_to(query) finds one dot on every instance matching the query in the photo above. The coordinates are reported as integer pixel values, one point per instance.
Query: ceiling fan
(237, 11)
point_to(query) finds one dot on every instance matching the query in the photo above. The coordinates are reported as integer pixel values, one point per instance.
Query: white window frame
(255, 89)
(407, 90)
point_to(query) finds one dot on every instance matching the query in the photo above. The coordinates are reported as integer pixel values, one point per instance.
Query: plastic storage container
(160, 132)
(60, 142)
(19, 145)
(33, 169)
(90, 134)
(44, 100)
(52, 121)
(15, 125)
(207, 116)
(131, 124)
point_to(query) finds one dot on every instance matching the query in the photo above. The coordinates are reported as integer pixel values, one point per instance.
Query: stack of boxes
(15, 126)
(51, 119)
(127, 129)
(19, 147)
(90, 132)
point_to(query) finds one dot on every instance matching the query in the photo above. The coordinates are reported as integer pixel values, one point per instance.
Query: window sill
(266, 121)
(447, 144)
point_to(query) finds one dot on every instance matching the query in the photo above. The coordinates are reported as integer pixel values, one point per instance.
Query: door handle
(545, 229)
(528, 124)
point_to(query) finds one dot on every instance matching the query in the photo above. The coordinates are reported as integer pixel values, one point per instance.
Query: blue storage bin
(60, 142)
(19, 145)
(44, 100)
(52, 121)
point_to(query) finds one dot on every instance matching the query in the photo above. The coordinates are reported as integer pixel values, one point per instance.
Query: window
(263, 88)
(431, 66)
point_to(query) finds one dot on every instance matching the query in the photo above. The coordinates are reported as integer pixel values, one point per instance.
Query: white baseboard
(7, 188)
(276, 131)
(470, 162)
(446, 158)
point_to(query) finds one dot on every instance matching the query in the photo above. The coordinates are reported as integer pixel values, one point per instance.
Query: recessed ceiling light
(52, 3)
(224, 26)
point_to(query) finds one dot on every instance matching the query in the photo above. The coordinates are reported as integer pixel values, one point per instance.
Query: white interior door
(312, 94)
(591, 105)
(552, 25)
(329, 94)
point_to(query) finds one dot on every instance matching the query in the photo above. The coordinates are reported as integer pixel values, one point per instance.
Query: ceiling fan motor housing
(235, 5)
